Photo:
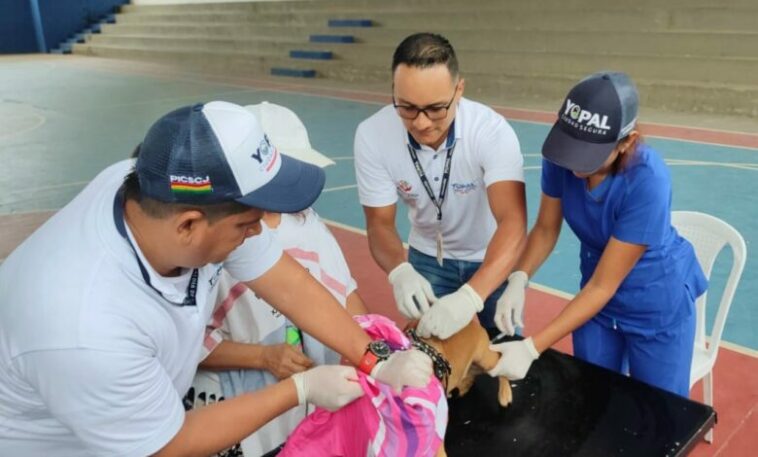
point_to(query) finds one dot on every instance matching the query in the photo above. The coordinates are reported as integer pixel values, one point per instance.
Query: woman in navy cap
(640, 279)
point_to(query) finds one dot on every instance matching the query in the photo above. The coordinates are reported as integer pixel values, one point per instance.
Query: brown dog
(468, 353)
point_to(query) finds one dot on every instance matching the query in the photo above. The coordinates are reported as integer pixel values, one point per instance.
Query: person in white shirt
(457, 165)
(103, 308)
(249, 344)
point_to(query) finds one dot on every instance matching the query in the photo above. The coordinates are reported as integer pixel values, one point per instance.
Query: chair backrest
(708, 236)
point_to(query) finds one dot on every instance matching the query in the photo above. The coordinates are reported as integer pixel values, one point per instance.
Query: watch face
(380, 349)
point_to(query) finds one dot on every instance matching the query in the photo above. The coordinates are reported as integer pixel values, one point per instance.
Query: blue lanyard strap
(118, 219)
(450, 146)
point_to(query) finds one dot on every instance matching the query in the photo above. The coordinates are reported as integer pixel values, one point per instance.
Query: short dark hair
(160, 210)
(424, 50)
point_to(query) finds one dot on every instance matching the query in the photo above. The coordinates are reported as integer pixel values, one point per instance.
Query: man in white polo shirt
(458, 167)
(103, 309)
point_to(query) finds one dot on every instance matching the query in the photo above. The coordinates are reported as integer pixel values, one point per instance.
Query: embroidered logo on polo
(584, 120)
(405, 189)
(265, 154)
(190, 184)
(463, 188)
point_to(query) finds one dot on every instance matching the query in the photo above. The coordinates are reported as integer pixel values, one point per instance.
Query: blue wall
(16, 27)
(60, 20)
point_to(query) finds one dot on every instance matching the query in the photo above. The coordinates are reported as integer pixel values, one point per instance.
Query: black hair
(160, 210)
(425, 50)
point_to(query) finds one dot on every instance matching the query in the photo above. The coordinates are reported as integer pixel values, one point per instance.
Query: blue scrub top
(634, 206)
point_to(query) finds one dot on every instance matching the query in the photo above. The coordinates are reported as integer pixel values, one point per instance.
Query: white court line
(334, 189)
(40, 120)
(739, 166)
(342, 158)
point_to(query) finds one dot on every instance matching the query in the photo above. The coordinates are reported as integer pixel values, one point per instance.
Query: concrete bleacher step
(503, 89)
(470, 5)
(703, 44)
(712, 18)
(689, 54)
(488, 61)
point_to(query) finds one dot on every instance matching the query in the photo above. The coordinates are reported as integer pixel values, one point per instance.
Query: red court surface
(735, 375)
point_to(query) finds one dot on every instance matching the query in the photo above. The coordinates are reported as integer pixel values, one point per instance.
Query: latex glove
(450, 314)
(413, 293)
(284, 360)
(328, 386)
(515, 360)
(404, 368)
(510, 306)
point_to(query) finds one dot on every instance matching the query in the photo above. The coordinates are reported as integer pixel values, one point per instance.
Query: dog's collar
(441, 366)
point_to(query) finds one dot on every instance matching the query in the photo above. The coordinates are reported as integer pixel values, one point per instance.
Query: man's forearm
(290, 289)
(502, 253)
(231, 355)
(386, 247)
(211, 429)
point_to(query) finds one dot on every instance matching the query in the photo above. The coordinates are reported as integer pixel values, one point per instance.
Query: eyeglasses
(433, 112)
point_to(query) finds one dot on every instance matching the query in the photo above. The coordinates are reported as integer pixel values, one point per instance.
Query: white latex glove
(510, 306)
(450, 314)
(404, 368)
(516, 358)
(407, 285)
(328, 386)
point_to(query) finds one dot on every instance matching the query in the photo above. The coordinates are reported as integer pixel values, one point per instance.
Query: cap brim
(294, 188)
(580, 156)
(309, 155)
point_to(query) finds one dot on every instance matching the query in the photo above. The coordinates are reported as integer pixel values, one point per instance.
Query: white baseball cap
(287, 133)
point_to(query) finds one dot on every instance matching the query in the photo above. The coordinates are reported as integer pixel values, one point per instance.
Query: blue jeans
(450, 277)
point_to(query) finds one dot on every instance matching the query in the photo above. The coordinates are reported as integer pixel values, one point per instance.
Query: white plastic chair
(708, 236)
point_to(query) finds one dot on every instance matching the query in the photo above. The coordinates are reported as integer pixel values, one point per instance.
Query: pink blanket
(382, 423)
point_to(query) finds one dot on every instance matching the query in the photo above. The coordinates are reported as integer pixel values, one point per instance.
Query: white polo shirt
(486, 151)
(93, 361)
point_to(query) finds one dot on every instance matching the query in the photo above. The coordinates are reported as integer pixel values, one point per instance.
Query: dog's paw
(504, 393)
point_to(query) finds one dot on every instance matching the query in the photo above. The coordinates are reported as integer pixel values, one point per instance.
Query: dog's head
(468, 354)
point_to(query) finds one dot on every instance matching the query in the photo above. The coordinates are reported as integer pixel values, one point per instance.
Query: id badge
(439, 248)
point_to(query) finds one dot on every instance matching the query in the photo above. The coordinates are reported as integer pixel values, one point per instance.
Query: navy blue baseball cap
(598, 112)
(217, 152)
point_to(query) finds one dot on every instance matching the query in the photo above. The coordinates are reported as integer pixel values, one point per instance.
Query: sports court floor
(65, 118)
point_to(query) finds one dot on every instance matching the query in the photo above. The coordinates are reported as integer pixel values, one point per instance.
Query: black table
(567, 407)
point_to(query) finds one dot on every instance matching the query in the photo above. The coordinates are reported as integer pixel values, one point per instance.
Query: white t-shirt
(486, 151)
(242, 317)
(93, 361)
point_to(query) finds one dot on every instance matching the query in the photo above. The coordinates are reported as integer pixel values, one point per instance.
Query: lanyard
(450, 146)
(118, 218)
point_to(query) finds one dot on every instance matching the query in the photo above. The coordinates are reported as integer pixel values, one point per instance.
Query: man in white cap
(104, 307)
